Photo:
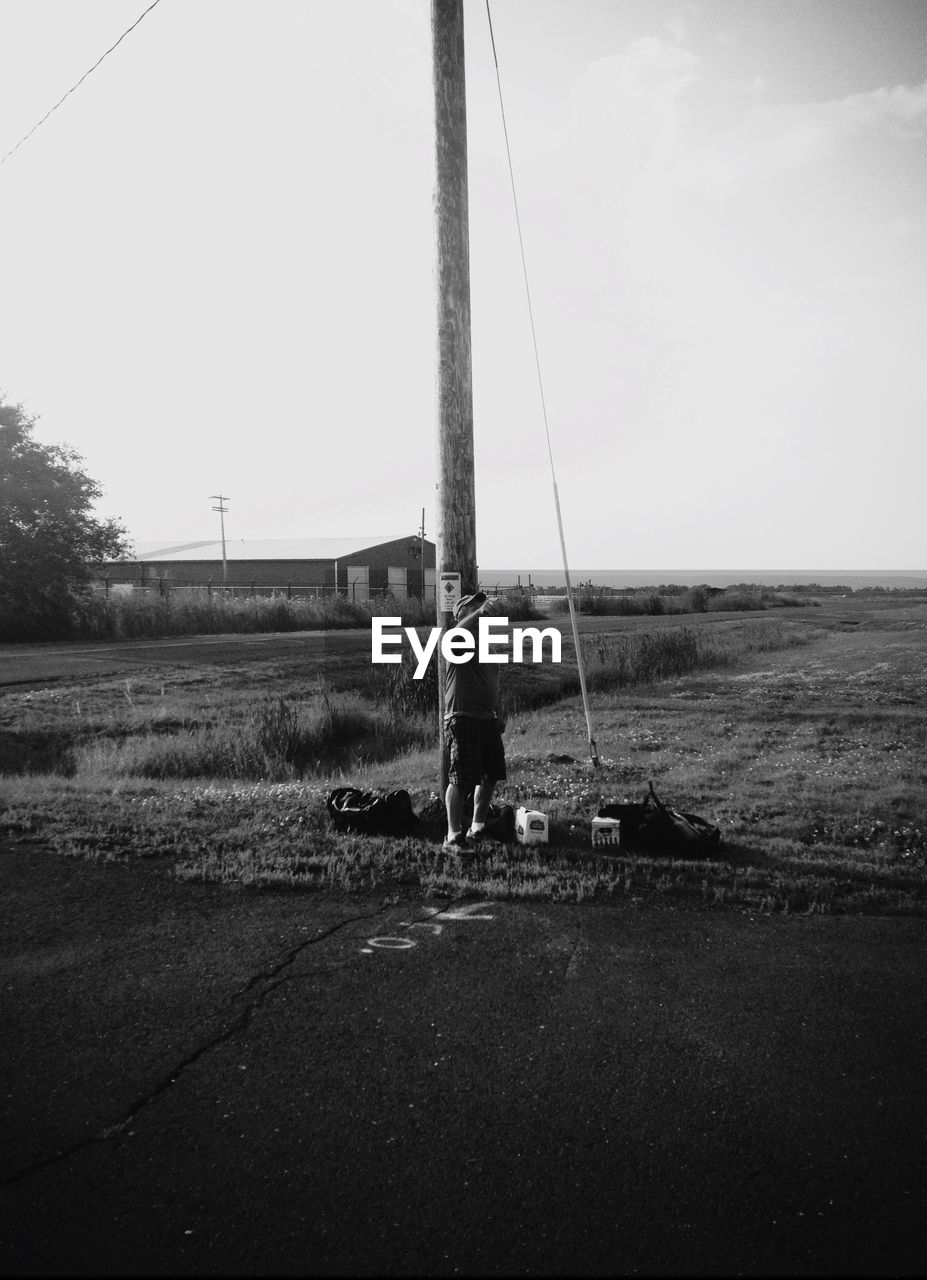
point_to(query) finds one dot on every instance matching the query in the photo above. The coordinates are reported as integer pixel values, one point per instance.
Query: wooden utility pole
(456, 506)
(424, 574)
(222, 509)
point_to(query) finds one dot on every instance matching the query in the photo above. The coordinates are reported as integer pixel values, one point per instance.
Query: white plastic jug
(531, 827)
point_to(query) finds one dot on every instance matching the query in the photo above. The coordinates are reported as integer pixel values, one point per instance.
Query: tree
(50, 541)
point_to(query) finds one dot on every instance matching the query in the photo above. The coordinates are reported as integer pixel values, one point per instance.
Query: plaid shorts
(476, 752)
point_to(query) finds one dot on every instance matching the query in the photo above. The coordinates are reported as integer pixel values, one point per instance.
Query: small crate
(605, 831)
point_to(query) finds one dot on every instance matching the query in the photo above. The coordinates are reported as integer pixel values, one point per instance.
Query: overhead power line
(80, 81)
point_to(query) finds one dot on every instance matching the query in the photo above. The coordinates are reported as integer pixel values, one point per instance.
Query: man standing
(473, 734)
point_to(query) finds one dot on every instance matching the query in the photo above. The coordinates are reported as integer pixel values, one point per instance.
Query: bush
(185, 611)
(394, 687)
(698, 599)
(646, 656)
(273, 741)
(738, 599)
(599, 603)
(518, 606)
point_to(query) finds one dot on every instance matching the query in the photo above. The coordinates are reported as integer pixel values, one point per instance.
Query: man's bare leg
(482, 799)
(453, 803)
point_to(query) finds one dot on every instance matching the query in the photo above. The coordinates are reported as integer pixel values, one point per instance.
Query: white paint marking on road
(469, 911)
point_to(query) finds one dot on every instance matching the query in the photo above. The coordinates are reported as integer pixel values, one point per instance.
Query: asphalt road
(199, 1081)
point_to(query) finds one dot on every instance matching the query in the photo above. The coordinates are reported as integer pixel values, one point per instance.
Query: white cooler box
(530, 826)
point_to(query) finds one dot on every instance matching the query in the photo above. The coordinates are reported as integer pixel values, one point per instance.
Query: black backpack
(371, 814)
(652, 827)
(500, 823)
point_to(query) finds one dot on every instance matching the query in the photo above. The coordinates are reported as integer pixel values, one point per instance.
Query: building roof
(263, 548)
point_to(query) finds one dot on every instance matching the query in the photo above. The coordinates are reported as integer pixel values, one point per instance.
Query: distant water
(903, 578)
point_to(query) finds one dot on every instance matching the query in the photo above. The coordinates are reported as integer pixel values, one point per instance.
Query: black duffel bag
(370, 813)
(653, 827)
(500, 823)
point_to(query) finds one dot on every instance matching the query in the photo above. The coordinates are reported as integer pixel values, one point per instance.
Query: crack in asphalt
(231, 1028)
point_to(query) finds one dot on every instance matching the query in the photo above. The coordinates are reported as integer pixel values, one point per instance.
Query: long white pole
(580, 665)
(594, 755)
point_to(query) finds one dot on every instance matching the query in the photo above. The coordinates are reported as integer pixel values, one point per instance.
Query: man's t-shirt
(471, 688)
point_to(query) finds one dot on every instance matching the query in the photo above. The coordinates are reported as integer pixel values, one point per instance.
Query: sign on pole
(448, 592)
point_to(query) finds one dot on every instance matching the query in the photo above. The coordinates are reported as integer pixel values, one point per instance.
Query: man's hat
(469, 604)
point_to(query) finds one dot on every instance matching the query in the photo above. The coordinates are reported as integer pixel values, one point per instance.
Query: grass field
(801, 735)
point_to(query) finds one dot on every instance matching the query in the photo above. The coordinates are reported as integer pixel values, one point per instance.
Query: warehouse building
(357, 567)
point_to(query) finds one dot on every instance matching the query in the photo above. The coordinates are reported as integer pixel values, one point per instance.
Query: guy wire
(550, 453)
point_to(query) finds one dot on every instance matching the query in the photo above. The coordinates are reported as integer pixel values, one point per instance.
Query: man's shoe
(457, 844)
(476, 836)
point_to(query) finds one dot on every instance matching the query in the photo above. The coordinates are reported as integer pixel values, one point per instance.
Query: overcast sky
(216, 271)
